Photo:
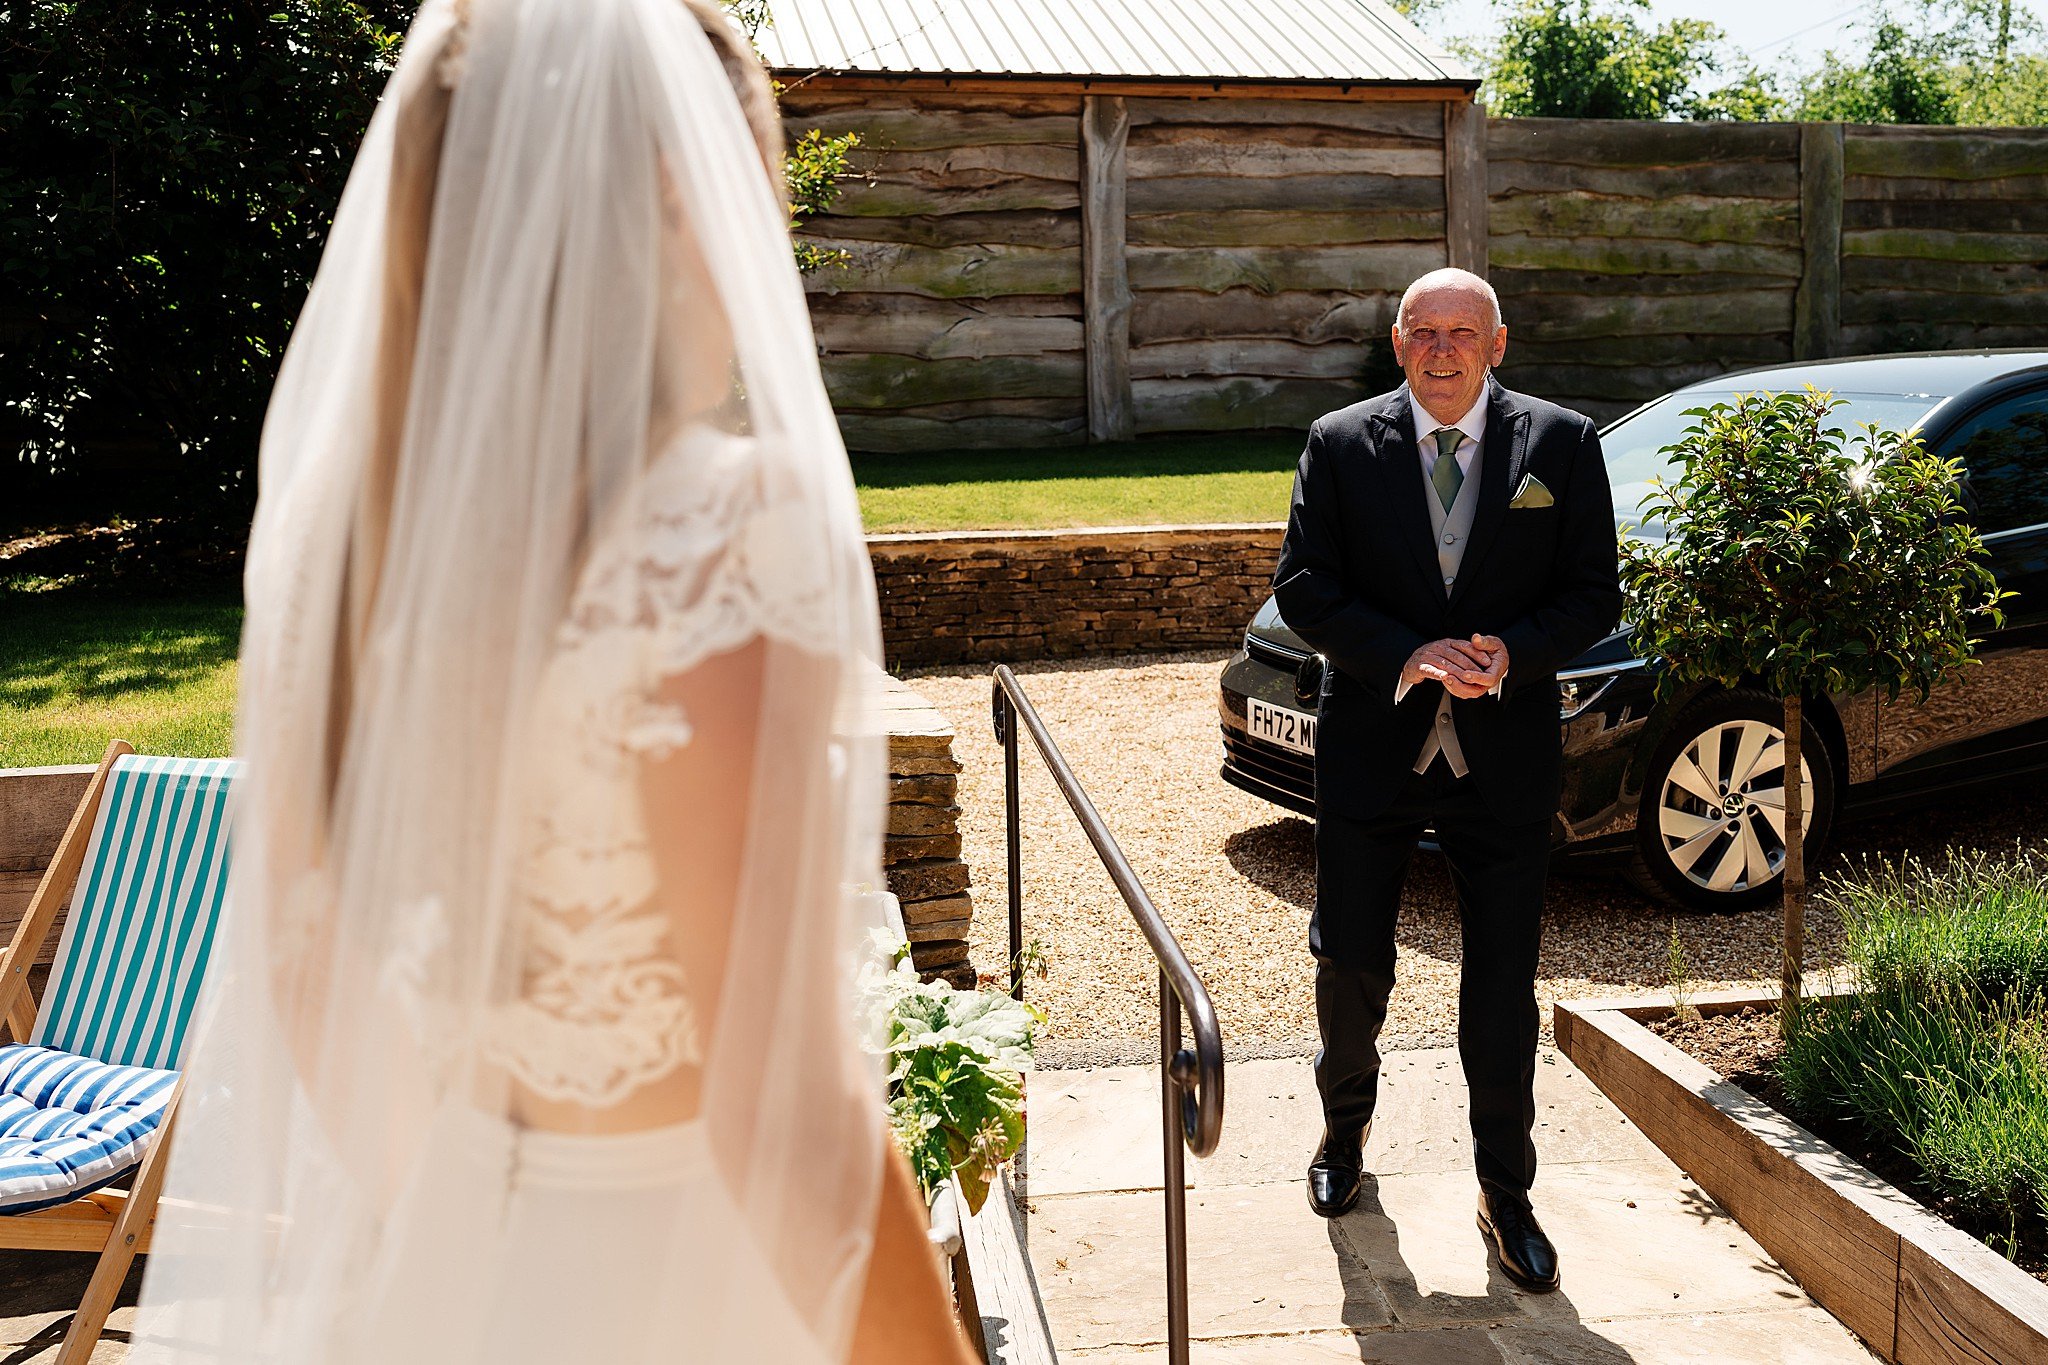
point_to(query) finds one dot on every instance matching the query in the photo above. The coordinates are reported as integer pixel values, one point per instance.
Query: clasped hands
(1466, 668)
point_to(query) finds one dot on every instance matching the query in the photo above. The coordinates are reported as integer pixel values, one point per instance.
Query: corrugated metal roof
(1265, 40)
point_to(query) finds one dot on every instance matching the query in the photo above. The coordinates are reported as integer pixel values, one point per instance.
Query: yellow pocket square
(1531, 493)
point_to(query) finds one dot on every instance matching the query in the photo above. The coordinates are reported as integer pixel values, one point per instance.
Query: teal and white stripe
(142, 920)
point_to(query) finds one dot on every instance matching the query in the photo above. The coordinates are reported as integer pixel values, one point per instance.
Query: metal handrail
(1190, 1080)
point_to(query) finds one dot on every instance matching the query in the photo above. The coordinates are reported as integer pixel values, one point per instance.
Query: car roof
(1936, 373)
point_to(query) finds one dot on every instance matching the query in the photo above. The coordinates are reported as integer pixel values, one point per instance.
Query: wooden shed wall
(1944, 238)
(1632, 258)
(1267, 243)
(956, 318)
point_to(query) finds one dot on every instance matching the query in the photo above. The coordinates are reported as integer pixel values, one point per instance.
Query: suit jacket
(1358, 580)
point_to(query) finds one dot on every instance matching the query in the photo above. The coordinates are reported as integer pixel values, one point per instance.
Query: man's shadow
(1378, 1281)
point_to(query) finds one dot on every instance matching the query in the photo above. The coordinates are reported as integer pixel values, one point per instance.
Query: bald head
(1453, 281)
(1448, 337)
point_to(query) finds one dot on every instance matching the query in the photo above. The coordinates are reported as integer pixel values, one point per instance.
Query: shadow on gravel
(1599, 928)
(1279, 858)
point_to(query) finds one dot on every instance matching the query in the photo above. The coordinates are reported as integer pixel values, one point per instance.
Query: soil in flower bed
(1745, 1048)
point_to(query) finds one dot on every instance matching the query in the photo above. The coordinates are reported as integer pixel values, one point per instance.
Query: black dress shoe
(1526, 1256)
(1336, 1173)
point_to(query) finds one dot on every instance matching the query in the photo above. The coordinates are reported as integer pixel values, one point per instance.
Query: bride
(531, 1037)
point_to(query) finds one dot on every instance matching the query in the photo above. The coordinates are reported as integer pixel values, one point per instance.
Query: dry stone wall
(993, 596)
(921, 854)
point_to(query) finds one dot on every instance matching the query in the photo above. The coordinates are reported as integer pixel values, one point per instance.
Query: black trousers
(1498, 871)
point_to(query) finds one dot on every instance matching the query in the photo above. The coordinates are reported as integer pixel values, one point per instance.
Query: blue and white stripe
(69, 1125)
(142, 922)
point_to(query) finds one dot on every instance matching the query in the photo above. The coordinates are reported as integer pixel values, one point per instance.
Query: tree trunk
(1795, 870)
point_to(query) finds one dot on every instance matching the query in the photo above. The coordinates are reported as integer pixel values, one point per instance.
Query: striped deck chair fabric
(129, 967)
(80, 1100)
(70, 1125)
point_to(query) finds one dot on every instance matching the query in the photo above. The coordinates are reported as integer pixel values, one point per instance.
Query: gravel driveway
(1235, 876)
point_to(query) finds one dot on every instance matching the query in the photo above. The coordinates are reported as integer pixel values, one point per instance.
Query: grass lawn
(86, 663)
(79, 667)
(1180, 480)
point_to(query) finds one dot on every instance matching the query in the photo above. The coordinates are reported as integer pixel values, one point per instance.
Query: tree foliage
(1802, 561)
(171, 173)
(169, 178)
(1602, 59)
(1798, 561)
(816, 161)
(1935, 62)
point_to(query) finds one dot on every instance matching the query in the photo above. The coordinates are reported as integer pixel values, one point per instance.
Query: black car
(1689, 791)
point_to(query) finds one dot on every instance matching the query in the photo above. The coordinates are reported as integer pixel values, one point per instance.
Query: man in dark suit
(1450, 545)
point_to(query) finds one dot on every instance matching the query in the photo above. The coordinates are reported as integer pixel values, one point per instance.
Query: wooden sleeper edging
(1917, 1290)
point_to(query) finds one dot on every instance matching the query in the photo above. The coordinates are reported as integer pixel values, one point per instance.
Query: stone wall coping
(54, 770)
(893, 541)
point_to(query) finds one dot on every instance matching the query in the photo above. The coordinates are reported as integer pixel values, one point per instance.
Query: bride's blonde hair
(750, 82)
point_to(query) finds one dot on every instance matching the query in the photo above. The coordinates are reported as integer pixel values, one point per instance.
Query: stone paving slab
(41, 1290)
(1654, 1271)
(1272, 1123)
(1796, 1336)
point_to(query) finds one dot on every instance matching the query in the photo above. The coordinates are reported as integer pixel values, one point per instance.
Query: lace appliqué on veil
(706, 561)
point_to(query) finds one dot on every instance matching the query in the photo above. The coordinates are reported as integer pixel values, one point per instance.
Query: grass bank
(1181, 481)
(79, 667)
(86, 656)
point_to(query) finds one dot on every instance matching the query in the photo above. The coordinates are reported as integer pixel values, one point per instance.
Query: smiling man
(1450, 544)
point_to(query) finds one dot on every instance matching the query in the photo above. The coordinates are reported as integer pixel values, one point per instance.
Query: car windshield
(1635, 445)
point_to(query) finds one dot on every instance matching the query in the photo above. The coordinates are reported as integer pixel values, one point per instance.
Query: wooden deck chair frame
(113, 1224)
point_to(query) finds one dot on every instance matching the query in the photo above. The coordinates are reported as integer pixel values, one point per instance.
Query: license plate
(1278, 725)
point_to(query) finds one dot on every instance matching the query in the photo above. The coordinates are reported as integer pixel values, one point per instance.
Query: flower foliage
(814, 167)
(956, 1062)
(1804, 560)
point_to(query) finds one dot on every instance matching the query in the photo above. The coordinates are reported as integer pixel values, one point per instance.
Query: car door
(1993, 718)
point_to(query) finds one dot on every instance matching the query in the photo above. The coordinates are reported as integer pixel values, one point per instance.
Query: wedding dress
(530, 1035)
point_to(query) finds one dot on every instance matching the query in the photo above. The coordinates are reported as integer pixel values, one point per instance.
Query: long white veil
(530, 1034)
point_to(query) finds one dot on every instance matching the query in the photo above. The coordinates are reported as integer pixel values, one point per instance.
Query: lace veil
(562, 814)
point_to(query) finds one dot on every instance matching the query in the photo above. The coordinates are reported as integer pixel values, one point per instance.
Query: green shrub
(1976, 921)
(956, 1073)
(170, 175)
(1942, 1057)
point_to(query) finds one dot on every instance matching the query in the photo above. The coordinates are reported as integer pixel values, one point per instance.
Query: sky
(1788, 33)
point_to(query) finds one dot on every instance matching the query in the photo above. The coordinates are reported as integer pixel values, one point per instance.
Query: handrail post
(1190, 1081)
(1174, 1135)
(1013, 820)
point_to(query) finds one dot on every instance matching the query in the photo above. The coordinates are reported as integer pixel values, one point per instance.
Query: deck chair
(90, 1084)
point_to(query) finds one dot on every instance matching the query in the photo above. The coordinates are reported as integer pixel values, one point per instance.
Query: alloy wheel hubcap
(1721, 813)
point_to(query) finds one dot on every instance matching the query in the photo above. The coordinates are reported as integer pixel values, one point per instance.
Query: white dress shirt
(1473, 424)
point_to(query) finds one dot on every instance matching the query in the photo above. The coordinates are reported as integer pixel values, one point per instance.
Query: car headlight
(1579, 688)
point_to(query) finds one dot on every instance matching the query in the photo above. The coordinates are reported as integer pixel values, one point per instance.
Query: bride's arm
(905, 1315)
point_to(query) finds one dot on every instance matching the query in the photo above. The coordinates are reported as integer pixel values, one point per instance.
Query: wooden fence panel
(1944, 238)
(987, 291)
(955, 318)
(1634, 257)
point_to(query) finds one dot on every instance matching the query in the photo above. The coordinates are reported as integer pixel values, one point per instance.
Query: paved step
(1653, 1270)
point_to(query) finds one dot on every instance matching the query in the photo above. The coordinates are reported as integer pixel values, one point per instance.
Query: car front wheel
(1711, 830)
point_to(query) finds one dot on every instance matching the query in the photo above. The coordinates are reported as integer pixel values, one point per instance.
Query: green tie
(1445, 476)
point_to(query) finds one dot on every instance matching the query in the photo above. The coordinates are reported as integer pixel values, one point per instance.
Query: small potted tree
(1796, 559)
